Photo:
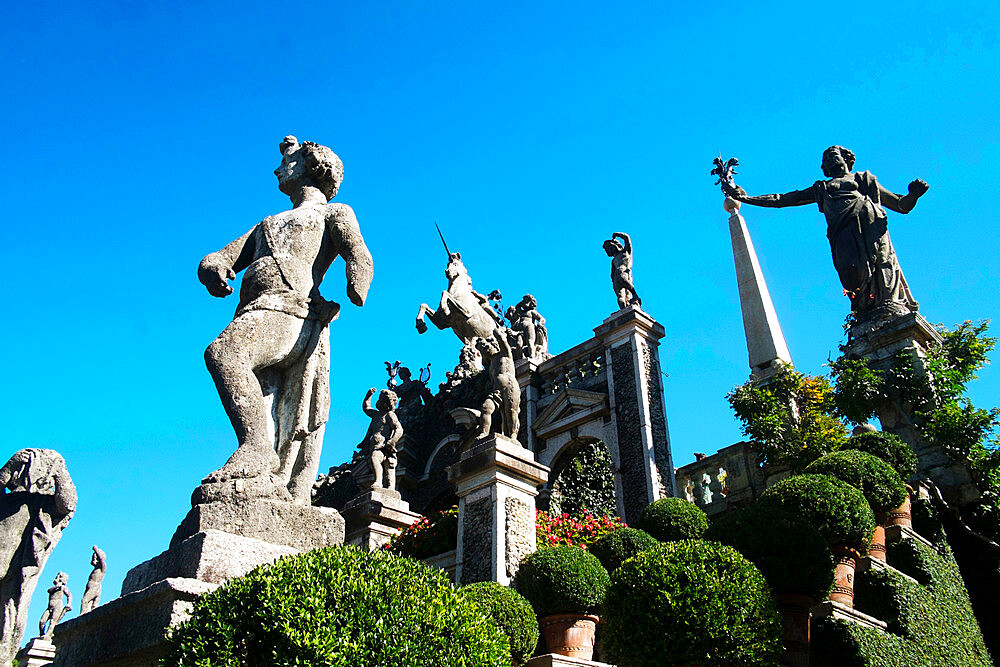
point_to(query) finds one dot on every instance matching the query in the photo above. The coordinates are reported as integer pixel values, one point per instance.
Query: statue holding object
(377, 467)
(56, 609)
(527, 328)
(619, 249)
(276, 349)
(92, 594)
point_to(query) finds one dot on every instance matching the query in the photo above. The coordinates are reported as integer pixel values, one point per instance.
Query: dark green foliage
(585, 484)
(691, 601)
(858, 389)
(615, 548)
(836, 509)
(428, 536)
(512, 614)
(781, 435)
(961, 428)
(881, 485)
(792, 555)
(929, 623)
(562, 580)
(888, 447)
(669, 519)
(339, 607)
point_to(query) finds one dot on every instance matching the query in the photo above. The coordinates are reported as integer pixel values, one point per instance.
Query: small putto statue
(92, 594)
(506, 392)
(528, 335)
(57, 609)
(620, 253)
(377, 467)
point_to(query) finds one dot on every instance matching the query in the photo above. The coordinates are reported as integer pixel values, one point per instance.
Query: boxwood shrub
(669, 519)
(881, 486)
(836, 509)
(512, 614)
(690, 601)
(615, 548)
(790, 553)
(562, 580)
(888, 447)
(339, 607)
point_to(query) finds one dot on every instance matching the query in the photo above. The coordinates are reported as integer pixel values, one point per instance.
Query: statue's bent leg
(377, 458)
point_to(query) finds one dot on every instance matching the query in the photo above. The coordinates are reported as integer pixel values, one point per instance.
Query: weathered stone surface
(60, 601)
(519, 528)
(92, 595)
(553, 660)
(630, 450)
(37, 500)
(662, 458)
(620, 252)
(36, 653)
(376, 468)
(211, 556)
(129, 631)
(277, 522)
(528, 337)
(375, 516)
(477, 538)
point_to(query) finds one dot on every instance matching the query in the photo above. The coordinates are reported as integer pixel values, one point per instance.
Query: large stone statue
(413, 393)
(506, 392)
(57, 608)
(378, 450)
(271, 364)
(857, 229)
(620, 253)
(528, 332)
(38, 503)
(92, 595)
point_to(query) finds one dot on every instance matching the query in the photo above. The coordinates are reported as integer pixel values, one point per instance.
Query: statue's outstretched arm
(793, 198)
(366, 405)
(218, 268)
(626, 240)
(343, 226)
(903, 203)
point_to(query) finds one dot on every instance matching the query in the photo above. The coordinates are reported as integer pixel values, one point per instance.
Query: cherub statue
(279, 341)
(620, 253)
(528, 328)
(56, 609)
(378, 449)
(506, 393)
(92, 594)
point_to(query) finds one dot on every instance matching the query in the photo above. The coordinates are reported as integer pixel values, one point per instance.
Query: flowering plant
(427, 536)
(580, 531)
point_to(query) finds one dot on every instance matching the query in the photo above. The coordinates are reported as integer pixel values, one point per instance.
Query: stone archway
(582, 479)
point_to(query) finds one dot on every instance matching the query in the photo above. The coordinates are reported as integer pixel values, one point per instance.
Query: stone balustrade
(729, 478)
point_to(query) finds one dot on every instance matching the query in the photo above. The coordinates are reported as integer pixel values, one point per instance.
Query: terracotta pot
(794, 610)
(901, 515)
(845, 559)
(570, 634)
(877, 548)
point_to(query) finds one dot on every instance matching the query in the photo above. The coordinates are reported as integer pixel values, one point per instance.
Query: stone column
(375, 516)
(525, 370)
(641, 448)
(496, 481)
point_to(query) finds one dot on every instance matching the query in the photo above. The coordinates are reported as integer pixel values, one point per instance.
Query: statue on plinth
(619, 249)
(274, 357)
(92, 594)
(377, 469)
(413, 393)
(57, 608)
(857, 229)
(505, 395)
(529, 337)
(37, 500)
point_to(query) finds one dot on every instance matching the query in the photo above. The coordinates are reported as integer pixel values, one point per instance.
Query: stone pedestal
(215, 542)
(375, 516)
(644, 469)
(36, 653)
(553, 660)
(496, 481)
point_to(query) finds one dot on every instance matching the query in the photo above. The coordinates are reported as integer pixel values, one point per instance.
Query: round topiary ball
(836, 509)
(512, 614)
(882, 487)
(617, 547)
(690, 601)
(669, 519)
(792, 555)
(888, 447)
(338, 606)
(562, 580)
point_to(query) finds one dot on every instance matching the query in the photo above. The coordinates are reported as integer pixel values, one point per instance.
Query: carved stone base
(375, 516)
(843, 612)
(553, 660)
(267, 486)
(36, 653)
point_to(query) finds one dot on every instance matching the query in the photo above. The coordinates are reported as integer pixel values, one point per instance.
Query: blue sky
(142, 135)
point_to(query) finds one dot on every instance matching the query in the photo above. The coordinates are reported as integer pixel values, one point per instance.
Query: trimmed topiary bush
(562, 580)
(882, 487)
(511, 612)
(836, 509)
(670, 519)
(791, 554)
(888, 447)
(617, 547)
(690, 601)
(338, 606)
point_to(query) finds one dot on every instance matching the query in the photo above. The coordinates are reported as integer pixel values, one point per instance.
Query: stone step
(869, 563)
(831, 609)
(895, 534)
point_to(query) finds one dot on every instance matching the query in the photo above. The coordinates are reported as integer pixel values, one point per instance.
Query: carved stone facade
(519, 525)
(476, 528)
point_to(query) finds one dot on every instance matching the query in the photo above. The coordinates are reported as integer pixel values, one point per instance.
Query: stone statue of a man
(620, 252)
(273, 358)
(57, 608)
(37, 500)
(92, 595)
(505, 395)
(378, 449)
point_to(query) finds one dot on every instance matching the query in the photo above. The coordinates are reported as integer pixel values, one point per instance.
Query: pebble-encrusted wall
(630, 451)
(658, 420)
(477, 537)
(520, 527)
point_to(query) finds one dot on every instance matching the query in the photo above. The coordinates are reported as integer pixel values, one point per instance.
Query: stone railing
(727, 479)
(577, 368)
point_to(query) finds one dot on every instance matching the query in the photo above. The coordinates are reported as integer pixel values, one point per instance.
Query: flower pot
(901, 515)
(794, 610)
(845, 559)
(877, 548)
(570, 634)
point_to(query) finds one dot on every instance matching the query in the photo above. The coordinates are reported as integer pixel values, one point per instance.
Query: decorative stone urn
(901, 515)
(877, 548)
(571, 635)
(846, 560)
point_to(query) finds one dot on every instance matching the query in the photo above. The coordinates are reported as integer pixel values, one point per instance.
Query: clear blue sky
(142, 135)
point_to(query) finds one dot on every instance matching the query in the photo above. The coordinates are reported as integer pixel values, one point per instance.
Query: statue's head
(405, 373)
(387, 400)
(837, 161)
(528, 302)
(487, 347)
(613, 247)
(60, 579)
(308, 163)
(455, 267)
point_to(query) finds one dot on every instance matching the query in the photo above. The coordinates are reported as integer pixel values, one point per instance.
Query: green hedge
(882, 486)
(615, 548)
(670, 519)
(338, 607)
(563, 579)
(836, 509)
(888, 447)
(512, 614)
(690, 601)
(790, 553)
